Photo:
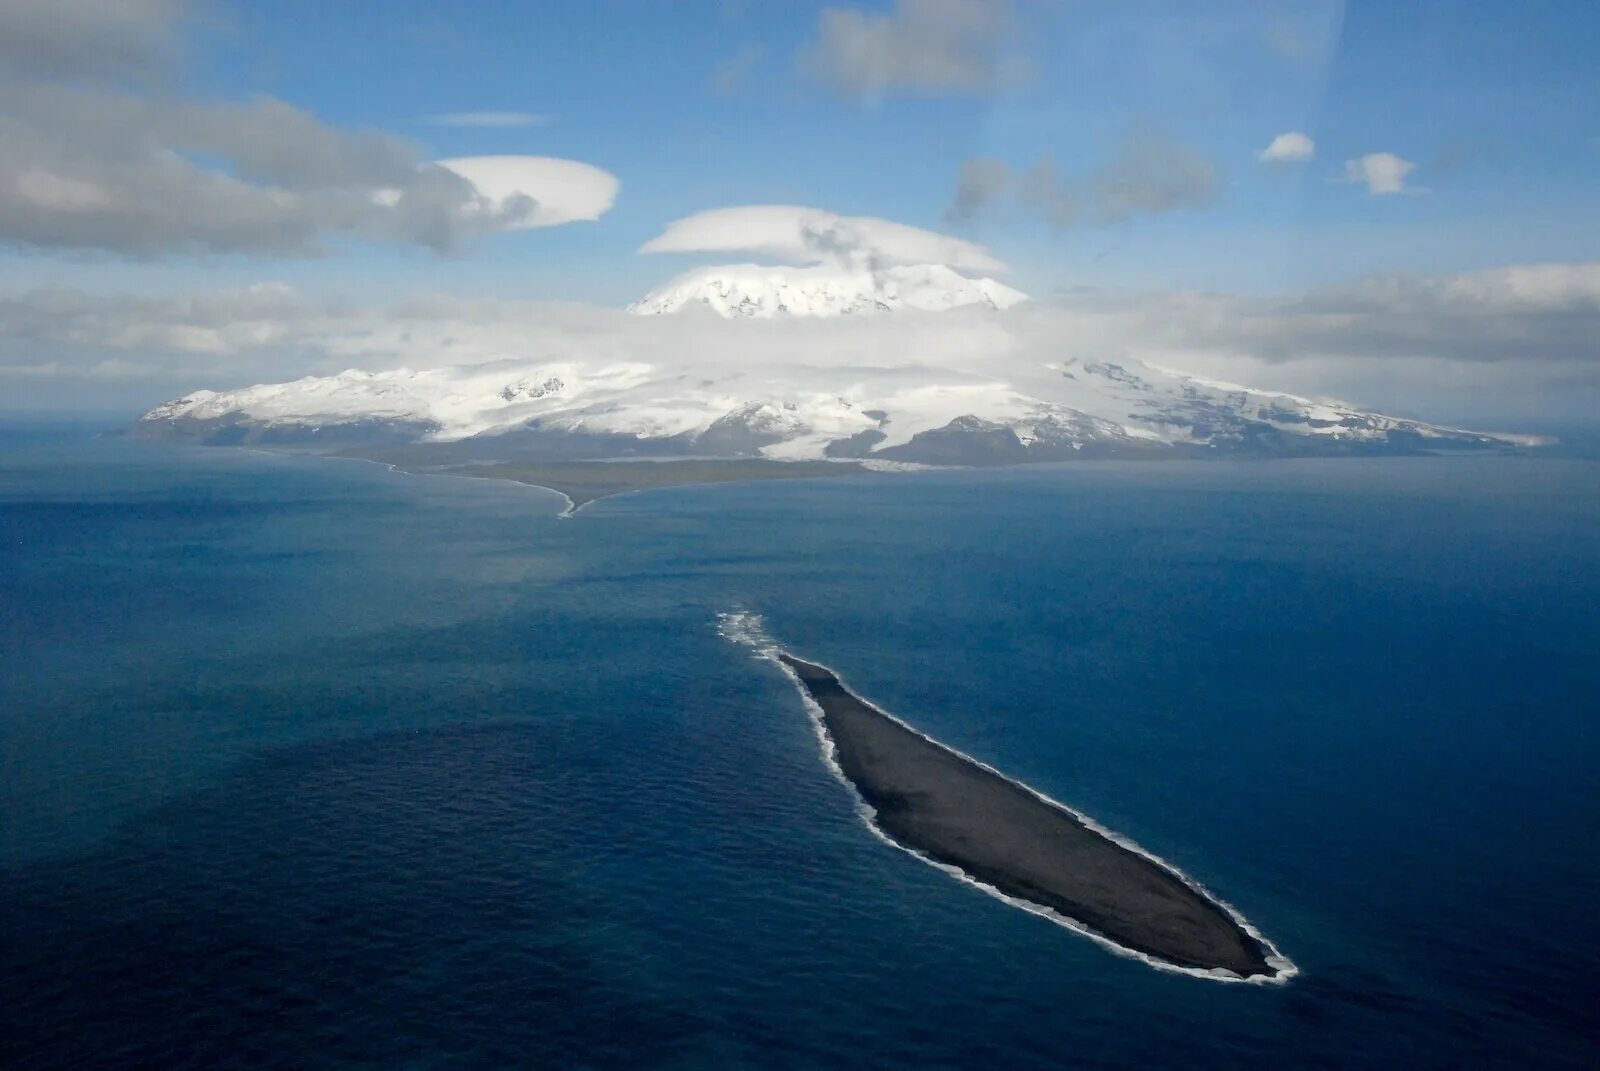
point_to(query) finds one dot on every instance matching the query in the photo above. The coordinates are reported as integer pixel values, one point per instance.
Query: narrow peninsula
(585, 481)
(956, 812)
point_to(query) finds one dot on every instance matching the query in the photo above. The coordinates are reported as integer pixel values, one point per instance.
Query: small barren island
(954, 811)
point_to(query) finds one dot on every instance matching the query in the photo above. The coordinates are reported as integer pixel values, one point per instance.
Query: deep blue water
(310, 764)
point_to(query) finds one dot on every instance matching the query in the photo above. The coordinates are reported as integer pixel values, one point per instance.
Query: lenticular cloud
(799, 235)
(562, 191)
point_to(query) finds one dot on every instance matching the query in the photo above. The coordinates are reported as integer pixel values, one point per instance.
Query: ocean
(309, 763)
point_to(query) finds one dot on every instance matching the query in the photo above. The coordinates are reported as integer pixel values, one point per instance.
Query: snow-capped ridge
(1007, 410)
(750, 290)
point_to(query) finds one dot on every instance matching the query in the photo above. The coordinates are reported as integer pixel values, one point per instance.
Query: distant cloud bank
(1514, 339)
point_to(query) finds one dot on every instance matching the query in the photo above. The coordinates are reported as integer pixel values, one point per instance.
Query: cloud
(98, 39)
(1514, 342)
(1511, 341)
(1514, 315)
(96, 153)
(1148, 175)
(981, 183)
(734, 71)
(561, 191)
(486, 120)
(813, 236)
(1291, 148)
(1382, 173)
(921, 46)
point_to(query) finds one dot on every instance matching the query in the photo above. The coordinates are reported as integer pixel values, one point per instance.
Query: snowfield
(751, 290)
(777, 392)
(802, 412)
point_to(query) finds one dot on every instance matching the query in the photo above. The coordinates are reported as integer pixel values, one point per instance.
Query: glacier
(732, 391)
(908, 413)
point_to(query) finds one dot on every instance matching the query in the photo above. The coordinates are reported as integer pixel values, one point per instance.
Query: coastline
(579, 496)
(967, 819)
(582, 482)
(571, 507)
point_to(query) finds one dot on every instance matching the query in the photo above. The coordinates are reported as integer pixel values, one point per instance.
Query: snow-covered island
(884, 409)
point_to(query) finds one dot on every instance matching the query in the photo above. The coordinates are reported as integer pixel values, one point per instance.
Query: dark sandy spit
(583, 482)
(954, 811)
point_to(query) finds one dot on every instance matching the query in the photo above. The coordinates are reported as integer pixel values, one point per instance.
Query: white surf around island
(746, 629)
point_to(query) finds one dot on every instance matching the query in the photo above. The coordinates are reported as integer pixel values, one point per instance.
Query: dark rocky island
(584, 481)
(954, 811)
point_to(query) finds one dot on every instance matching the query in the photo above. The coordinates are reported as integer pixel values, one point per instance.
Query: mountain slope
(753, 291)
(908, 413)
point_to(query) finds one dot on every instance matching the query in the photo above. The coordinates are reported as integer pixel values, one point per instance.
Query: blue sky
(1482, 96)
(1117, 142)
(1494, 103)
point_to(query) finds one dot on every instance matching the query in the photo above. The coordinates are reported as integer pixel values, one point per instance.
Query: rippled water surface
(307, 763)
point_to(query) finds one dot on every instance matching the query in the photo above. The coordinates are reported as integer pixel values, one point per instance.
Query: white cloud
(921, 46)
(99, 151)
(1382, 173)
(486, 119)
(813, 236)
(1516, 341)
(1293, 147)
(562, 191)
